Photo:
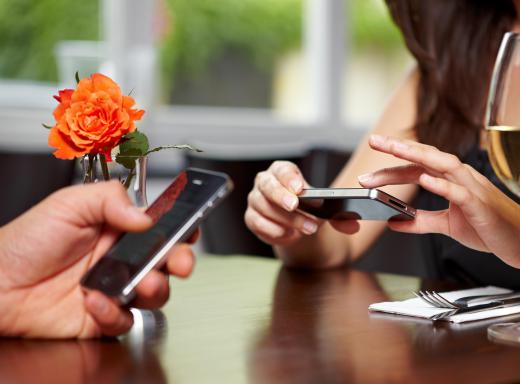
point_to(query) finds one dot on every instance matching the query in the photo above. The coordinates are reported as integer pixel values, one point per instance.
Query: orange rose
(91, 119)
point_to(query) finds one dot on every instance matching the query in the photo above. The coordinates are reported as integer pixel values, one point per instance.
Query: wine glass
(503, 114)
(503, 139)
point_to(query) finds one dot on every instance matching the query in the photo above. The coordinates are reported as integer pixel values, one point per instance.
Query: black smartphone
(354, 203)
(177, 212)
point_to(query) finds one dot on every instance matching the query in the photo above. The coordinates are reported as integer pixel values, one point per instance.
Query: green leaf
(76, 75)
(132, 146)
(128, 159)
(180, 146)
(46, 126)
(136, 145)
(135, 140)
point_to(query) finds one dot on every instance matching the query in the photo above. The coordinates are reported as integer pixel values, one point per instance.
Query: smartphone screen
(176, 213)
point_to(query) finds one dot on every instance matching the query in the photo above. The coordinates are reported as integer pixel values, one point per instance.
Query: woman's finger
(407, 174)
(438, 222)
(290, 237)
(470, 205)
(264, 227)
(481, 179)
(424, 222)
(275, 192)
(296, 220)
(153, 291)
(466, 200)
(427, 156)
(348, 227)
(111, 319)
(289, 175)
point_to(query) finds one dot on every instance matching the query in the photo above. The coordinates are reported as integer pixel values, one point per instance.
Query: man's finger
(153, 291)
(180, 260)
(111, 319)
(194, 237)
(104, 202)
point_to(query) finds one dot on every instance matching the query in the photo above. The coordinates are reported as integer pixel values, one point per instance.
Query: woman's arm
(330, 246)
(304, 241)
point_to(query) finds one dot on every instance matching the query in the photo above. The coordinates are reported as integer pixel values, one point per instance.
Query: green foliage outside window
(203, 29)
(373, 28)
(29, 30)
(262, 30)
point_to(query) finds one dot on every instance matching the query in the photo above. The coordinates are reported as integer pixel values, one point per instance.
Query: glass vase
(135, 183)
(133, 180)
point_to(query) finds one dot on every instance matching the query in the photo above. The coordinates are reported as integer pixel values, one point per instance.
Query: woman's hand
(271, 212)
(45, 252)
(479, 216)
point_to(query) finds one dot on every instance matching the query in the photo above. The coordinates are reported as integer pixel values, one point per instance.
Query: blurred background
(247, 81)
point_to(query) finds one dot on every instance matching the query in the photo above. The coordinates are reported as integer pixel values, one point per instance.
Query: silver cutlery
(473, 309)
(437, 300)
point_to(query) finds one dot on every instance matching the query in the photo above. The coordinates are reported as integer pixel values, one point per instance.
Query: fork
(439, 301)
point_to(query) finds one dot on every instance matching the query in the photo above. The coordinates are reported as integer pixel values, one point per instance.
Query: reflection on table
(249, 320)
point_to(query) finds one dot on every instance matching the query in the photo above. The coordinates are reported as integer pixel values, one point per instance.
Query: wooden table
(241, 320)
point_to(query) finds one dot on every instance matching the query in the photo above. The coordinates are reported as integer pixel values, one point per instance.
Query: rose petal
(92, 118)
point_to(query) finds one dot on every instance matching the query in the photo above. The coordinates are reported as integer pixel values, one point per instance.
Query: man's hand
(45, 252)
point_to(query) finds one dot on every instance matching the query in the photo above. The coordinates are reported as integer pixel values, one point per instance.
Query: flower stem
(104, 167)
(90, 167)
(129, 178)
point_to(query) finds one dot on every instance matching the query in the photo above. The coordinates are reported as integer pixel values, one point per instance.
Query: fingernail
(377, 139)
(365, 177)
(290, 202)
(309, 227)
(296, 185)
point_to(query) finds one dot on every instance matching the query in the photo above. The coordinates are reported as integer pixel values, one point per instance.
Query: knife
(476, 308)
(470, 301)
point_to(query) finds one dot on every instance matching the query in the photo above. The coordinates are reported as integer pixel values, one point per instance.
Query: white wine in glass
(503, 140)
(504, 153)
(503, 114)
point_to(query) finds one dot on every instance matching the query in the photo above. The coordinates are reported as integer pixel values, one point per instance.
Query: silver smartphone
(176, 213)
(354, 203)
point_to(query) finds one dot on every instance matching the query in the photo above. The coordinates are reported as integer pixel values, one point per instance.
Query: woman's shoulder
(400, 113)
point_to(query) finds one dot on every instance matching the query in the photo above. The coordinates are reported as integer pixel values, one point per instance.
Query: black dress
(454, 261)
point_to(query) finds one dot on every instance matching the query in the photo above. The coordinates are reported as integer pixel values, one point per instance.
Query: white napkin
(418, 308)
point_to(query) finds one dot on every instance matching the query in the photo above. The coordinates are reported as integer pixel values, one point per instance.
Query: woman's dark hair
(455, 43)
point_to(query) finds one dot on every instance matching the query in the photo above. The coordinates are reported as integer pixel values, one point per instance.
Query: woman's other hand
(480, 216)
